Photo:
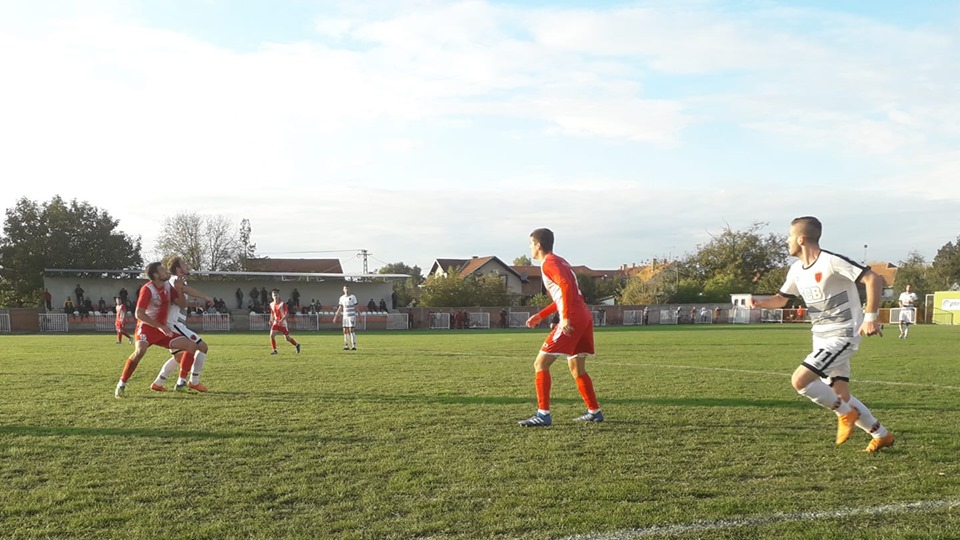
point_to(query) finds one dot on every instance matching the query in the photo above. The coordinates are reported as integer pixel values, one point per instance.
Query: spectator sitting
(371, 305)
(383, 305)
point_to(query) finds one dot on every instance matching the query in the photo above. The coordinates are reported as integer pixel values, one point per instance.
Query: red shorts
(580, 341)
(119, 327)
(153, 336)
(282, 329)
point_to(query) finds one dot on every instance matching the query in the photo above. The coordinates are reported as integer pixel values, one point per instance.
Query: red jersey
(156, 301)
(561, 283)
(278, 310)
(121, 316)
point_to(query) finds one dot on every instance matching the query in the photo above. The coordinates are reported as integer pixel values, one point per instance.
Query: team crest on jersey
(818, 276)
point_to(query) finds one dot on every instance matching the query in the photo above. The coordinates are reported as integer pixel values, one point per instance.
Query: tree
(522, 260)
(208, 243)
(913, 271)
(56, 234)
(744, 256)
(946, 266)
(408, 289)
(454, 290)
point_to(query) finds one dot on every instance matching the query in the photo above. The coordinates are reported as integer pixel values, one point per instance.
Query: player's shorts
(153, 336)
(908, 315)
(830, 358)
(280, 329)
(118, 326)
(349, 322)
(181, 328)
(580, 341)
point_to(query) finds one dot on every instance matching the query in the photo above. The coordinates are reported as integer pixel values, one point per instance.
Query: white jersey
(175, 315)
(908, 299)
(829, 288)
(349, 304)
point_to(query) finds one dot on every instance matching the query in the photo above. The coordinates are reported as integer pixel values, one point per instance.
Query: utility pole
(364, 253)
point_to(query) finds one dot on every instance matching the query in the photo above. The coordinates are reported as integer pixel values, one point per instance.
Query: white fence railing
(216, 322)
(518, 319)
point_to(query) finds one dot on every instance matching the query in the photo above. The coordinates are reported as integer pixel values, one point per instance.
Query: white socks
(168, 368)
(198, 359)
(867, 421)
(821, 394)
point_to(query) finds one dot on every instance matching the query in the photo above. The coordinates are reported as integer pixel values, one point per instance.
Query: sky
(429, 129)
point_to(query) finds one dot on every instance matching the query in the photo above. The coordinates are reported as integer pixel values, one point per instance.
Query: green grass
(415, 435)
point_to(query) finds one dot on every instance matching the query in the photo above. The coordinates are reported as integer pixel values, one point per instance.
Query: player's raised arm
(776, 301)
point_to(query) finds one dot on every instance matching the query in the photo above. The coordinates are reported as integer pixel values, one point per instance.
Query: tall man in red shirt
(152, 306)
(571, 337)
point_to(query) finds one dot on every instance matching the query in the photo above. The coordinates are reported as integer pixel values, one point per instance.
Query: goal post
(518, 319)
(480, 319)
(633, 317)
(668, 316)
(398, 321)
(440, 321)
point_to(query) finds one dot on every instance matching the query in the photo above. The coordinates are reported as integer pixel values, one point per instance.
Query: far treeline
(77, 235)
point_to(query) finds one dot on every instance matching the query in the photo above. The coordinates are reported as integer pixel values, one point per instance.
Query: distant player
(121, 321)
(828, 284)
(348, 305)
(153, 303)
(278, 323)
(571, 337)
(908, 311)
(177, 321)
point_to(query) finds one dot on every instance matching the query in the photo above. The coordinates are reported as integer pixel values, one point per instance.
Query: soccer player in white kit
(908, 311)
(177, 321)
(828, 284)
(348, 305)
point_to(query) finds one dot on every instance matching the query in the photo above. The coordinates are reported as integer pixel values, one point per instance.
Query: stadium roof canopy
(282, 276)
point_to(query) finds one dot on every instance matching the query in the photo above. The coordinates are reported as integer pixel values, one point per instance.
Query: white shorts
(908, 315)
(181, 328)
(830, 358)
(349, 322)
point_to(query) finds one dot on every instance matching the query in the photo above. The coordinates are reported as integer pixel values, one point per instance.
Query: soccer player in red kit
(571, 337)
(121, 320)
(152, 306)
(278, 323)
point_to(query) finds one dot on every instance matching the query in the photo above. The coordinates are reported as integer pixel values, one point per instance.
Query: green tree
(454, 290)
(913, 271)
(946, 266)
(407, 290)
(637, 291)
(56, 234)
(522, 260)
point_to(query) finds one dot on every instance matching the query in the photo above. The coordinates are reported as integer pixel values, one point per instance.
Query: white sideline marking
(778, 374)
(705, 526)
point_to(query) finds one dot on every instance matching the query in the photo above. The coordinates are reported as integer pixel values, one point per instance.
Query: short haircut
(810, 227)
(544, 237)
(175, 262)
(153, 269)
(276, 292)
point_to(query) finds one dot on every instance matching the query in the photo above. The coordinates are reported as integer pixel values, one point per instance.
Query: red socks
(543, 382)
(585, 386)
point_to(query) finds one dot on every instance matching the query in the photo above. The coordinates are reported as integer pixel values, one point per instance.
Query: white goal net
(740, 315)
(398, 321)
(599, 318)
(4, 323)
(518, 319)
(439, 321)
(480, 320)
(53, 322)
(909, 315)
(668, 316)
(633, 317)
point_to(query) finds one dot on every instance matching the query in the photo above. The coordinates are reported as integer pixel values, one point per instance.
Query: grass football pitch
(415, 436)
